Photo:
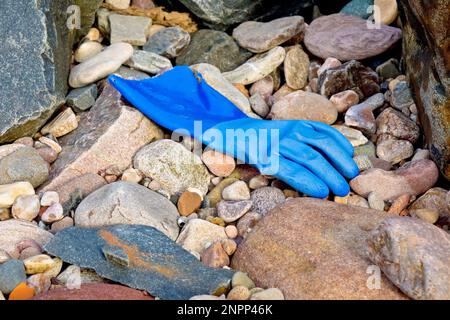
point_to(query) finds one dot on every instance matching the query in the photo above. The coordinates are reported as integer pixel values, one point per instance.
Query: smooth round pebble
(231, 231)
(242, 279)
(26, 207)
(239, 293)
(428, 215)
(236, 191)
(49, 198)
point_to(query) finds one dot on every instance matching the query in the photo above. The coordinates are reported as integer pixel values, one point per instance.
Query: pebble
(168, 42)
(51, 143)
(265, 199)
(236, 191)
(239, 293)
(427, 215)
(355, 137)
(388, 11)
(39, 282)
(357, 201)
(101, 65)
(48, 154)
(26, 207)
(29, 252)
(129, 29)
(149, 62)
(257, 67)
(219, 164)
(82, 99)
(268, 294)
(296, 66)
(230, 230)
(361, 115)
(229, 246)
(64, 123)
(232, 211)
(25, 164)
(302, 105)
(241, 279)
(388, 70)
(213, 76)
(22, 292)
(54, 213)
(62, 224)
(38, 264)
(400, 204)
(258, 182)
(396, 124)
(420, 154)
(119, 4)
(260, 37)
(217, 221)
(375, 201)
(215, 256)
(394, 151)
(367, 149)
(329, 63)
(263, 87)
(189, 202)
(282, 92)
(87, 50)
(413, 178)
(347, 37)
(434, 199)
(401, 96)
(132, 175)
(49, 198)
(94, 35)
(10, 192)
(12, 272)
(259, 105)
(197, 234)
(344, 100)
(248, 222)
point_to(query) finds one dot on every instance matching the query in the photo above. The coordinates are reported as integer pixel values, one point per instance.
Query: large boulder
(34, 62)
(425, 49)
(314, 249)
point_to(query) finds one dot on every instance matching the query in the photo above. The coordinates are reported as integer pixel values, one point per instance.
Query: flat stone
(413, 178)
(109, 134)
(265, 199)
(402, 246)
(435, 199)
(232, 211)
(12, 272)
(129, 29)
(396, 124)
(215, 256)
(128, 203)
(87, 50)
(25, 164)
(10, 192)
(351, 75)
(198, 234)
(168, 42)
(344, 100)
(361, 115)
(157, 264)
(14, 231)
(302, 105)
(37, 43)
(260, 37)
(119, 4)
(394, 150)
(236, 191)
(306, 244)
(215, 195)
(219, 164)
(213, 47)
(355, 137)
(257, 67)
(215, 79)
(263, 87)
(131, 74)
(348, 37)
(149, 62)
(173, 166)
(296, 66)
(100, 65)
(64, 123)
(82, 99)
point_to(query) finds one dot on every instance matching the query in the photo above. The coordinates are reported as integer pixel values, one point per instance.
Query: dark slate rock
(388, 69)
(155, 263)
(401, 96)
(358, 8)
(82, 99)
(216, 48)
(12, 272)
(168, 42)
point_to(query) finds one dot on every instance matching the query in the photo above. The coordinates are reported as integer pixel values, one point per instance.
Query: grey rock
(361, 115)
(259, 105)
(173, 166)
(12, 272)
(148, 62)
(128, 203)
(34, 64)
(401, 96)
(82, 99)
(130, 29)
(156, 264)
(131, 74)
(213, 47)
(168, 42)
(265, 199)
(231, 211)
(414, 255)
(359, 8)
(25, 164)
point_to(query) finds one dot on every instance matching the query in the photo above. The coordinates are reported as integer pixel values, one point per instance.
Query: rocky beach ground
(99, 202)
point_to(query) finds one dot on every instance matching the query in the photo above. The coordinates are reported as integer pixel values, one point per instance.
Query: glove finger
(335, 135)
(316, 163)
(299, 178)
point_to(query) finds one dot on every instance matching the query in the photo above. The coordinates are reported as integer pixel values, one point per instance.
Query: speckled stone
(168, 42)
(266, 198)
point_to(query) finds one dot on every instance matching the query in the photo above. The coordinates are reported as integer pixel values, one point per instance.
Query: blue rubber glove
(312, 157)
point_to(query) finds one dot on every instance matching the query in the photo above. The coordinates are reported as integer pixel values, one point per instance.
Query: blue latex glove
(312, 157)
